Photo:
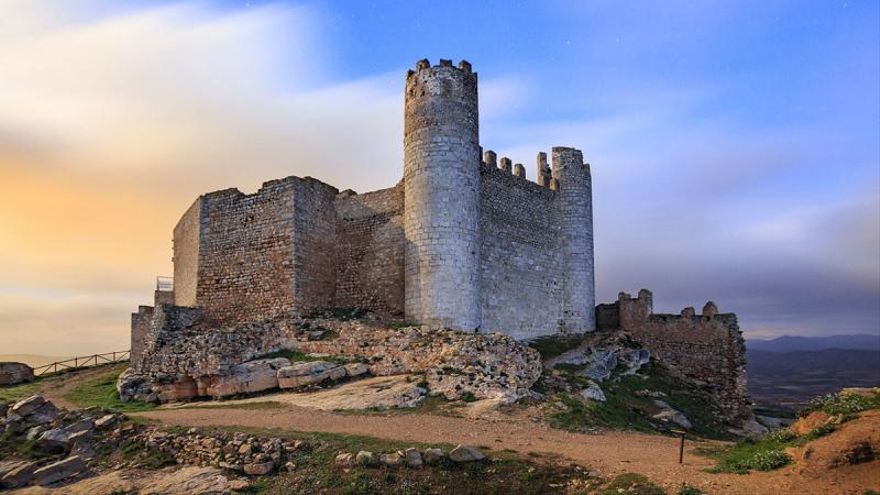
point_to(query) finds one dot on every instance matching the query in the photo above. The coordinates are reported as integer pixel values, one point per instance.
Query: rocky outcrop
(183, 358)
(12, 373)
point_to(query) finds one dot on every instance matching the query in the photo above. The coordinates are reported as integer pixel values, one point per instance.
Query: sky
(734, 145)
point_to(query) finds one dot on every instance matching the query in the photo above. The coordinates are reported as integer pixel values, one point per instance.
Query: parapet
(424, 64)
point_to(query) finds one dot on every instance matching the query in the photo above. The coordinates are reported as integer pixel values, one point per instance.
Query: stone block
(58, 471)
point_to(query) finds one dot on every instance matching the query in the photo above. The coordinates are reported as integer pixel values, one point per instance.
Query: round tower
(441, 176)
(576, 218)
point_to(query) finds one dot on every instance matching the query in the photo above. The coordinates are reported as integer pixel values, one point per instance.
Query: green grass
(292, 356)
(552, 346)
(100, 391)
(22, 390)
(625, 410)
(837, 404)
(632, 484)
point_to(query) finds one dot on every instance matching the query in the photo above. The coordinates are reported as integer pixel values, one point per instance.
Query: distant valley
(788, 371)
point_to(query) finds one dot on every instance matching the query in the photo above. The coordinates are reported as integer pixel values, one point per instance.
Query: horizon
(729, 164)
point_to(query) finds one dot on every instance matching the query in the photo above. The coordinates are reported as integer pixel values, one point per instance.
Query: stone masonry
(708, 349)
(461, 242)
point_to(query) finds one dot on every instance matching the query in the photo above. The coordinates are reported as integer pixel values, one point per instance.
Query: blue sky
(735, 146)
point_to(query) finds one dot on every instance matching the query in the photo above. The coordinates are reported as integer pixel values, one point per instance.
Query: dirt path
(56, 389)
(610, 453)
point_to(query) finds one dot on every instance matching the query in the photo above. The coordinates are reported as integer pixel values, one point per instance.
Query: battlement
(424, 64)
(544, 175)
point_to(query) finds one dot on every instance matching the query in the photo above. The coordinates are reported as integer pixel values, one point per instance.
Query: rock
(27, 406)
(673, 416)
(633, 359)
(303, 374)
(650, 393)
(246, 378)
(772, 422)
(4, 407)
(345, 459)
(601, 365)
(433, 456)
(259, 469)
(751, 429)
(392, 459)
(12, 373)
(464, 453)
(85, 424)
(413, 457)
(356, 369)
(58, 471)
(383, 392)
(366, 458)
(35, 432)
(107, 421)
(16, 473)
(593, 392)
(54, 440)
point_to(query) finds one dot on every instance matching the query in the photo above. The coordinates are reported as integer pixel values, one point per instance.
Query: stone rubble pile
(411, 457)
(199, 361)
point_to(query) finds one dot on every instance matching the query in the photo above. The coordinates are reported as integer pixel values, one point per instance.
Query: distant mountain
(791, 379)
(788, 343)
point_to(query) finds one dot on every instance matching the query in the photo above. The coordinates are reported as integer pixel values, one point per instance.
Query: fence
(83, 362)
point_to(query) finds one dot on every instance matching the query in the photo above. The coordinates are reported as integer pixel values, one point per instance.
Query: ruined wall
(186, 255)
(707, 348)
(140, 328)
(370, 250)
(246, 253)
(521, 265)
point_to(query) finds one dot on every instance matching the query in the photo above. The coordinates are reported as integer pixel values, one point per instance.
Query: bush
(769, 460)
(837, 404)
(690, 490)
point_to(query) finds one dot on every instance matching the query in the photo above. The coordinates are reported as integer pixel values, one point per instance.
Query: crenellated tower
(442, 196)
(575, 189)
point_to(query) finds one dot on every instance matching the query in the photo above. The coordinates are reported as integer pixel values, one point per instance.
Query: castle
(464, 241)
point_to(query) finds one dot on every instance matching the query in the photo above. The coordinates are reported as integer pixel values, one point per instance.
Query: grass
(837, 404)
(552, 346)
(100, 391)
(292, 356)
(625, 410)
(22, 390)
(632, 484)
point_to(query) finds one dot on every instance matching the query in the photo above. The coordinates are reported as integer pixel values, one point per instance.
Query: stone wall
(520, 262)
(12, 373)
(187, 234)
(370, 250)
(314, 245)
(708, 349)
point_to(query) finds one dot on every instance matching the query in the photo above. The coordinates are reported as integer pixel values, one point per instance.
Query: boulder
(54, 440)
(345, 459)
(601, 365)
(28, 406)
(366, 458)
(85, 424)
(593, 392)
(107, 421)
(356, 369)
(674, 416)
(633, 359)
(413, 457)
(12, 373)
(4, 406)
(58, 471)
(16, 473)
(303, 374)
(259, 469)
(433, 456)
(465, 453)
(392, 459)
(246, 378)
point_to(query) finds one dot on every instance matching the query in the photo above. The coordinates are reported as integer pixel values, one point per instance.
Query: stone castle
(464, 241)
(469, 253)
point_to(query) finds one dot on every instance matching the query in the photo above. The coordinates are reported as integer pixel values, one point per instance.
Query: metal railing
(83, 362)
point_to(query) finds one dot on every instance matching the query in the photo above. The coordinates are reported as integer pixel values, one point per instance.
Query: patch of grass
(634, 484)
(22, 390)
(100, 391)
(294, 356)
(838, 404)
(468, 397)
(555, 345)
(624, 409)
(402, 324)
(762, 455)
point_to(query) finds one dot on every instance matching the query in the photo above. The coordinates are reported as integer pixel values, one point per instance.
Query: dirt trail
(56, 389)
(610, 453)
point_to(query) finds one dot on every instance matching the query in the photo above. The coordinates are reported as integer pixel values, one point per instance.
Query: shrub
(768, 460)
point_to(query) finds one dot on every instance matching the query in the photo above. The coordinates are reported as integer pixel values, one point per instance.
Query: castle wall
(246, 253)
(521, 265)
(370, 253)
(314, 245)
(186, 255)
(708, 348)
(140, 328)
